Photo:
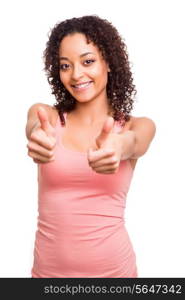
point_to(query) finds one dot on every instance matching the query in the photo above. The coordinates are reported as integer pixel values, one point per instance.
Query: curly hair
(120, 88)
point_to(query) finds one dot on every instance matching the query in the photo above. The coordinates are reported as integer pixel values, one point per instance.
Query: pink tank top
(81, 230)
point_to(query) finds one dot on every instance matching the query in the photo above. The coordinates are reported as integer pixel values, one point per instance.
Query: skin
(92, 110)
(92, 104)
(81, 62)
(42, 139)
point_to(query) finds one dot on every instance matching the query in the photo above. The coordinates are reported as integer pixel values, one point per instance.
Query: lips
(82, 85)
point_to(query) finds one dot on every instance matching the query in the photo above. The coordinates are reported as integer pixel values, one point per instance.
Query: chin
(84, 99)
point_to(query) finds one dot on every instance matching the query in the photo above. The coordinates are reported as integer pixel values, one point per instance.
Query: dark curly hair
(120, 87)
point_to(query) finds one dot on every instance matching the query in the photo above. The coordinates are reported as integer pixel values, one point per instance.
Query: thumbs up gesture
(42, 139)
(106, 158)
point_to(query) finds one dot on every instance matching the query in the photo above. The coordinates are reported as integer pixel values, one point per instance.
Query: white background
(153, 32)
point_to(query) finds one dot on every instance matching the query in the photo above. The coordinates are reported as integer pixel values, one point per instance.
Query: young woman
(86, 146)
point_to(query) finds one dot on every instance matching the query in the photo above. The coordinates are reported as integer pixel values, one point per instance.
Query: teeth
(82, 85)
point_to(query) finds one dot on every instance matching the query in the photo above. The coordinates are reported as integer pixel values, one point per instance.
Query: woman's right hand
(42, 140)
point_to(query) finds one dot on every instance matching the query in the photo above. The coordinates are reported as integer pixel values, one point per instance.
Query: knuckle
(51, 145)
(115, 170)
(52, 159)
(29, 145)
(33, 135)
(29, 153)
(52, 142)
(38, 161)
(114, 160)
(50, 154)
(110, 151)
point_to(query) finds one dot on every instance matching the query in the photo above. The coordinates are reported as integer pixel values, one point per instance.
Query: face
(83, 71)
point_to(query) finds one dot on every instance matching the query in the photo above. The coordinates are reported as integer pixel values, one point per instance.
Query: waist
(90, 207)
(77, 224)
(86, 249)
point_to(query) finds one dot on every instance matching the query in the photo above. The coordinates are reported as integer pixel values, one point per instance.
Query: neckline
(61, 139)
(82, 154)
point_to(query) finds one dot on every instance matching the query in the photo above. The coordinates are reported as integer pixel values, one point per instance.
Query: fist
(42, 139)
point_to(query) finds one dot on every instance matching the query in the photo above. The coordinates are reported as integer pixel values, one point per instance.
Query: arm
(137, 139)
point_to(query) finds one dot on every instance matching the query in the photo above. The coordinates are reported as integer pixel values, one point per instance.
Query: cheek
(100, 74)
(63, 78)
(103, 78)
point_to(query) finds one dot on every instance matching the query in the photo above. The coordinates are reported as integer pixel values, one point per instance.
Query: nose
(77, 72)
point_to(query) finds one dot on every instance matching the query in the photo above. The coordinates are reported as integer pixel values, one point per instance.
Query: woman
(86, 146)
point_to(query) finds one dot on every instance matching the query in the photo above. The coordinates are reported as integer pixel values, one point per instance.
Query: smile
(82, 86)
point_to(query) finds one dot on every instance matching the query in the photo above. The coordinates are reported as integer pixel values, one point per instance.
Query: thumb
(43, 118)
(106, 130)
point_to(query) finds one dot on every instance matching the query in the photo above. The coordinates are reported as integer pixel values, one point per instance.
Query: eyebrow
(83, 54)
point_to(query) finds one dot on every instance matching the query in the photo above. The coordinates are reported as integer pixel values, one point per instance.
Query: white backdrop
(153, 32)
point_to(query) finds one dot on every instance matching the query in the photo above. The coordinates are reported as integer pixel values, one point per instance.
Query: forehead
(76, 44)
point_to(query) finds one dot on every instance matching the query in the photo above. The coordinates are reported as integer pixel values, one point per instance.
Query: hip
(108, 255)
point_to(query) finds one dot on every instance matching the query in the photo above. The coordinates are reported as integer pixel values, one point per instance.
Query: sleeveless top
(81, 229)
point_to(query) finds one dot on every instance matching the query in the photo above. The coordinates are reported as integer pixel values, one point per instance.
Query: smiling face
(83, 71)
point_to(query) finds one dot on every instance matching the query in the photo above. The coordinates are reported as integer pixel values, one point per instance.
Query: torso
(78, 138)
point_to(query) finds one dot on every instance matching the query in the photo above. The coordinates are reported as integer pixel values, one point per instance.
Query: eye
(89, 61)
(64, 67)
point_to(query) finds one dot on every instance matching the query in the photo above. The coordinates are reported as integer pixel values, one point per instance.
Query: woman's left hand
(106, 158)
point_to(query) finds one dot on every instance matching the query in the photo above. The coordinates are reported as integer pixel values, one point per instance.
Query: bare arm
(137, 139)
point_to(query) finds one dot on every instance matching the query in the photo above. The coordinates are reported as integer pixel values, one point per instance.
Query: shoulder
(144, 123)
(51, 111)
(34, 107)
(145, 130)
(135, 121)
(139, 121)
